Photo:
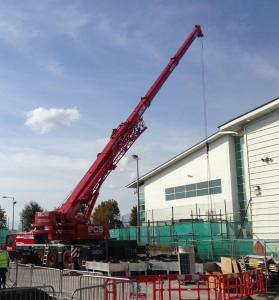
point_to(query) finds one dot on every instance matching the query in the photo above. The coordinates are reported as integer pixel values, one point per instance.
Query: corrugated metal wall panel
(267, 133)
(262, 143)
(259, 224)
(265, 150)
(268, 174)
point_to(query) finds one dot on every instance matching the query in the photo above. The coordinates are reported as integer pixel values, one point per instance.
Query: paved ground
(270, 294)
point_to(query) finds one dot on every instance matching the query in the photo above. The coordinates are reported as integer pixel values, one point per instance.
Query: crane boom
(79, 205)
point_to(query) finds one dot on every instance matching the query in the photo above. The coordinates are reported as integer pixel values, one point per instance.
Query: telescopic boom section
(79, 205)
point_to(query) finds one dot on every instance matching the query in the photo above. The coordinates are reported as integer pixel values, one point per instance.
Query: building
(233, 174)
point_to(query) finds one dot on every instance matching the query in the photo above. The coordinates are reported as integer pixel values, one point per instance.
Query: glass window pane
(191, 194)
(191, 187)
(169, 190)
(202, 192)
(238, 155)
(170, 197)
(180, 189)
(216, 182)
(202, 185)
(215, 190)
(239, 163)
(180, 195)
(241, 196)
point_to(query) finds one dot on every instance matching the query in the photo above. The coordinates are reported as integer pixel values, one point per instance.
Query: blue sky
(73, 70)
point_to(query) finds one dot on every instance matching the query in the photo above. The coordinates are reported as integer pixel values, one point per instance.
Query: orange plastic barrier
(196, 287)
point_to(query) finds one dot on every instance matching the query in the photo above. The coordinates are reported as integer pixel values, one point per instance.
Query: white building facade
(232, 175)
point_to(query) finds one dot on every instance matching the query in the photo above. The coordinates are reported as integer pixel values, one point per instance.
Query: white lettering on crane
(95, 229)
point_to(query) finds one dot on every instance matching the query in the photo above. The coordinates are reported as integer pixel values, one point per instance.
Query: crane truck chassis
(58, 236)
(57, 254)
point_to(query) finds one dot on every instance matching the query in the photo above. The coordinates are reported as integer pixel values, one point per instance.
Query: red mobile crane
(69, 224)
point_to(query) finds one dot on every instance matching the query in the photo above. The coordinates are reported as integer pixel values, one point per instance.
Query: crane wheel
(38, 257)
(52, 258)
(67, 260)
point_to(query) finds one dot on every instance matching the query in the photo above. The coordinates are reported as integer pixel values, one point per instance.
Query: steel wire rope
(210, 198)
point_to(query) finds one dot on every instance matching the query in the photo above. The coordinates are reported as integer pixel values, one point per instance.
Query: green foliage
(107, 214)
(3, 218)
(27, 215)
(133, 216)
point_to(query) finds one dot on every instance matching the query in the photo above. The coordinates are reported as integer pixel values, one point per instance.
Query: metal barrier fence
(113, 289)
(80, 285)
(196, 287)
(69, 284)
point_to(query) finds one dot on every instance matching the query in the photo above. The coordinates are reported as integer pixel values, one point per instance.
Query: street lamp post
(14, 202)
(136, 158)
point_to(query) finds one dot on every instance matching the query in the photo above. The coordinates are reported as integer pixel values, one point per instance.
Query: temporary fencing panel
(12, 273)
(70, 281)
(84, 285)
(48, 276)
(21, 275)
(196, 287)
(108, 288)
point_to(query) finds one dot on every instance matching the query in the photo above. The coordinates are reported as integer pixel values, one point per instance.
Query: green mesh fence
(211, 240)
(3, 233)
(183, 232)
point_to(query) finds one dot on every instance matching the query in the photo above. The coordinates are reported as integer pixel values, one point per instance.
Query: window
(240, 175)
(180, 195)
(193, 190)
(170, 191)
(179, 189)
(142, 203)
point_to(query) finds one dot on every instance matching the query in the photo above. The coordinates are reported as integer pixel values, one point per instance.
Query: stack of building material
(255, 262)
(273, 267)
(228, 266)
(262, 263)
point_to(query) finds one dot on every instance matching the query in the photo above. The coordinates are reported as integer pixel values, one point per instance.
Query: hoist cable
(204, 90)
(210, 202)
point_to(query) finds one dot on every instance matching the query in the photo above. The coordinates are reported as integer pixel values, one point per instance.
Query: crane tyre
(52, 258)
(38, 257)
(67, 260)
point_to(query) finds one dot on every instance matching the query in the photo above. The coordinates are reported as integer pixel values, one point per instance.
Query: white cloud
(41, 120)
(15, 27)
(263, 67)
(71, 20)
(123, 163)
(53, 67)
(20, 26)
(33, 159)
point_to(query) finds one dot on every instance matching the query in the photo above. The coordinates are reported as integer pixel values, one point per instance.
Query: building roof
(230, 127)
(240, 121)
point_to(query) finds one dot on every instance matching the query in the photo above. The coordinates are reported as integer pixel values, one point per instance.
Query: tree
(27, 215)
(3, 218)
(133, 216)
(107, 214)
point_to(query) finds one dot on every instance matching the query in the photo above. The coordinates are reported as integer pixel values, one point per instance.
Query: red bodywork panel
(69, 221)
(14, 239)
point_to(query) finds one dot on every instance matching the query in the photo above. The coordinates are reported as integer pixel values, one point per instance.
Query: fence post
(61, 282)
(31, 275)
(16, 275)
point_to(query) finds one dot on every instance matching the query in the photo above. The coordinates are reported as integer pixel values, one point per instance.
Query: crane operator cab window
(9, 240)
